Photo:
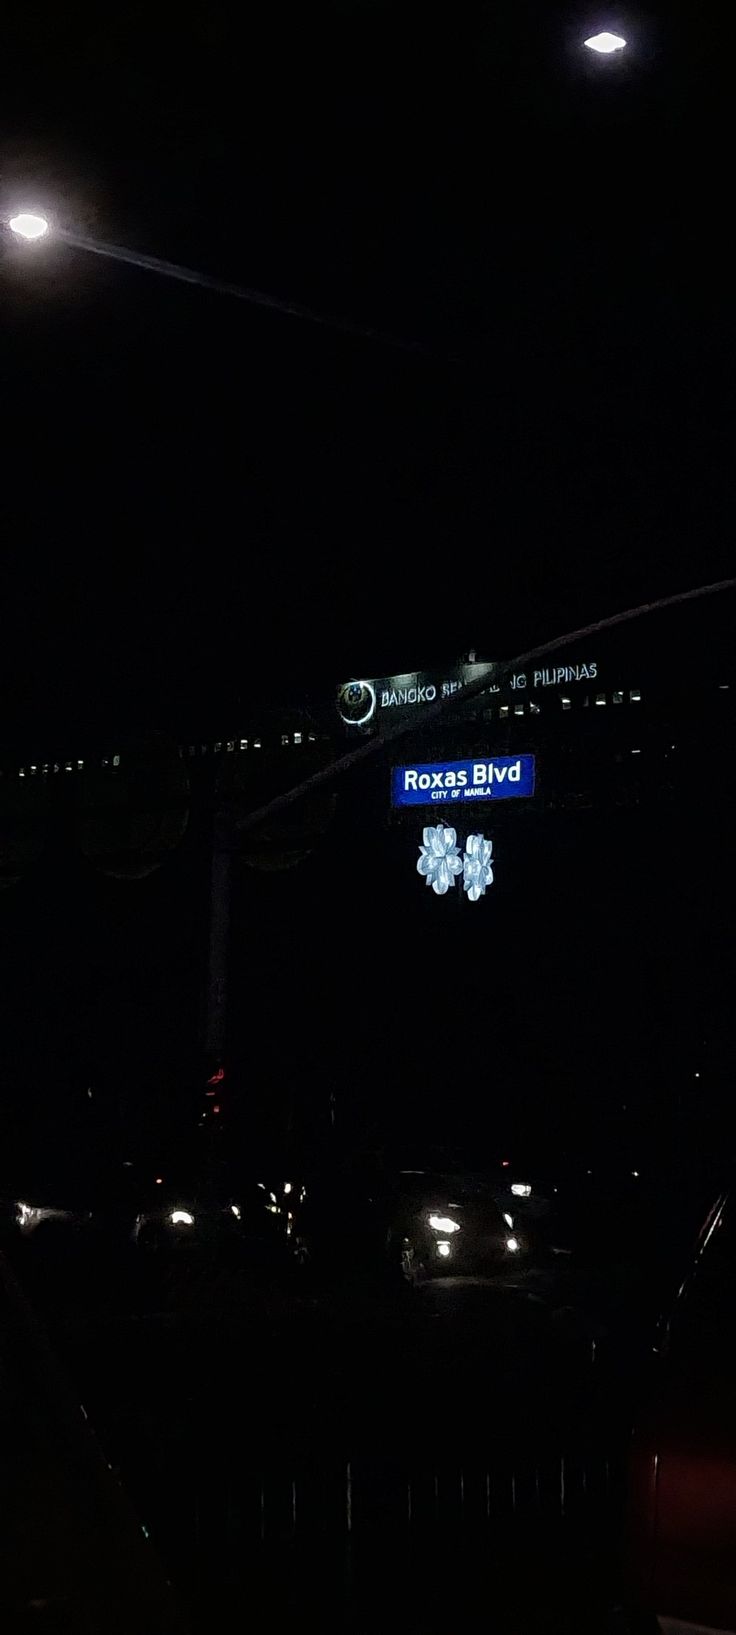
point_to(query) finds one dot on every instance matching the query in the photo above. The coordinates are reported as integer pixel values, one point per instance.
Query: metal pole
(215, 1028)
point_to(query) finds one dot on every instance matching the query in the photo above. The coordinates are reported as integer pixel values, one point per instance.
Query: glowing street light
(605, 44)
(28, 225)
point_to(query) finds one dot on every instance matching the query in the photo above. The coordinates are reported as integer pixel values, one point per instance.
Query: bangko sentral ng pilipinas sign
(363, 703)
(454, 783)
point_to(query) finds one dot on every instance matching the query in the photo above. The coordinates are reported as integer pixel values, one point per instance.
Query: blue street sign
(454, 783)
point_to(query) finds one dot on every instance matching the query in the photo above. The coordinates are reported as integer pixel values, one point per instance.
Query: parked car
(543, 1191)
(440, 1223)
(220, 1213)
(58, 1202)
(682, 1514)
(98, 1235)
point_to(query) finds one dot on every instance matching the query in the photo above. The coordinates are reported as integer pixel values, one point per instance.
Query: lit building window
(256, 743)
(504, 710)
(297, 737)
(284, 740)
(600, 698)
(636, 752)
(617, 698)
(533, 708)
(243, 743)
(635, 695)
(566, 703)
(518, 709)
(230, 745)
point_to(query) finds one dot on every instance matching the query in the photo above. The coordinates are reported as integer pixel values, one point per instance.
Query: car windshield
(461, 1188)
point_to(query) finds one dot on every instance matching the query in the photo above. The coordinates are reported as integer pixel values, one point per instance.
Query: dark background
(206, 504)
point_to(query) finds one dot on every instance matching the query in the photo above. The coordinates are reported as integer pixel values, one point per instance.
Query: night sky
(199, 494)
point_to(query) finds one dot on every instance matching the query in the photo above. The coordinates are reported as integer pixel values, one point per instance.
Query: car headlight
(442, 1223)
(181, 1217)
(28, 1217)
(512, 1244)
(521, 1189)
(509, 1219)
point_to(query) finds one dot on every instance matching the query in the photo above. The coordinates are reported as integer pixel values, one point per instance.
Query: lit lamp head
(605, 43)
(27, 224)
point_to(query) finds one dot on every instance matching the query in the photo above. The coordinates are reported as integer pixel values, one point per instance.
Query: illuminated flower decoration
(477, 866)
(439, 858)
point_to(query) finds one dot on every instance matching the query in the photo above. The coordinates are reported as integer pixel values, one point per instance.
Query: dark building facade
(584, 990)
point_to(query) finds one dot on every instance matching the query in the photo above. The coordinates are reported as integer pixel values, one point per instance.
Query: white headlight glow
(442, 1223)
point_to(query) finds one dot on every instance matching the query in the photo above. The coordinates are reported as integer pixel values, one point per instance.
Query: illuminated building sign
(452, 783)
(360, 703)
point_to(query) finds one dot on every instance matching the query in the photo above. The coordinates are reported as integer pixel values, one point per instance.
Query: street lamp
(28, 225)
(605, 43)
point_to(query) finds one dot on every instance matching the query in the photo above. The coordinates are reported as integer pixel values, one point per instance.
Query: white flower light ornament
(439, 858)
(477, 866)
